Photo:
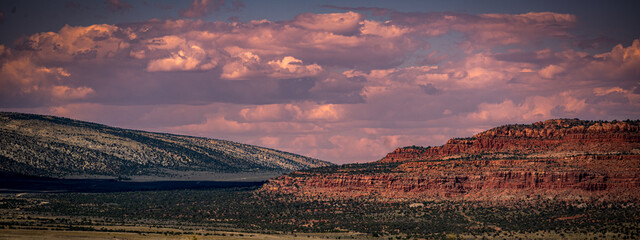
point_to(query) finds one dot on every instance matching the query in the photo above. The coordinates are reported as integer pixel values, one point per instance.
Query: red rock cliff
(564, 159)
(552, 136)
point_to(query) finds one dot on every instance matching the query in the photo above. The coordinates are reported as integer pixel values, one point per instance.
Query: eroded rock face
(551, 137)
(561, 159)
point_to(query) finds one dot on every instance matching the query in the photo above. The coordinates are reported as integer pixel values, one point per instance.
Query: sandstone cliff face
(551, 137)
(565, 159)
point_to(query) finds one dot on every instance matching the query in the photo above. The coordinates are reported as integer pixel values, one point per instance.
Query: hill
(554, 159)
(38, 145)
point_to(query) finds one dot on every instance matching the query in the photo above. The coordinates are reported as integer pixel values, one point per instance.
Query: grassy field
(124, 232)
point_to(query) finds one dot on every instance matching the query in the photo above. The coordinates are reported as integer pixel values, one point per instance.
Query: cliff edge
(554, 159)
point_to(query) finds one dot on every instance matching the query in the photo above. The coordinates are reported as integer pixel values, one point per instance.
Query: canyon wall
(555, 159)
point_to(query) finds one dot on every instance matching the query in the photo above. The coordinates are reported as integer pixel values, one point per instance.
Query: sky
(342, 81)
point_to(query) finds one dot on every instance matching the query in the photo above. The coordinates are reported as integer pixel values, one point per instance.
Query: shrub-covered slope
(52, 146)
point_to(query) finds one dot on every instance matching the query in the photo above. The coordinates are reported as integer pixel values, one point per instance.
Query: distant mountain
(40, 145)
(563, 158)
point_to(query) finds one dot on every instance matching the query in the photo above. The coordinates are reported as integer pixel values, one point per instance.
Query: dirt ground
(20, 234)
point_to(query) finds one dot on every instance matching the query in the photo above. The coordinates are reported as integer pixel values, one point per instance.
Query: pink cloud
(290, 67)
(244, 65)
(487, 30)
(103, 40)
(298, 112)
(193, 58)
(533, 109)
(247, 65)
(223, 125)
(65, 92)
(337, 23)
(386, 29)
(621, 63)
(550, 71)
(338, 86)
(502, 29)
(21, 77)
(145, 117)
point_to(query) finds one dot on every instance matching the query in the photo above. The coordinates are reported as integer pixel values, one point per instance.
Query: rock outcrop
(557, 159)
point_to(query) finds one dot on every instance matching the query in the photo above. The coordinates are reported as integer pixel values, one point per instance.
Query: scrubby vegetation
(51, 146)
(355, 168)
(249, 210)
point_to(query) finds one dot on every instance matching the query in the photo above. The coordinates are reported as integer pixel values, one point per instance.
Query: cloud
(487, 30)
(299, 112)
(486, 89)
(349, 147)
(116, 5)
(607, 91)
(290, 67)
(103, 40)
(337, 23)
(506, 29)
(4, 51)
(430, 89)
(193, 58)
(247, 65)
(226, 126)
(532, 109)
(65, 92)
(201, 8)
(550, 71)
(385, 29)
(24, 82)
(621, 63)
(338, 86)
(28, 77)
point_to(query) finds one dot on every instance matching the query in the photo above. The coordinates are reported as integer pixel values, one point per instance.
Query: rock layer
(565, 159)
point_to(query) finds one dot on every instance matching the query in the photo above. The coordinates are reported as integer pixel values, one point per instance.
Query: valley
(555, 179)
(317, 119)
(244, 213)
